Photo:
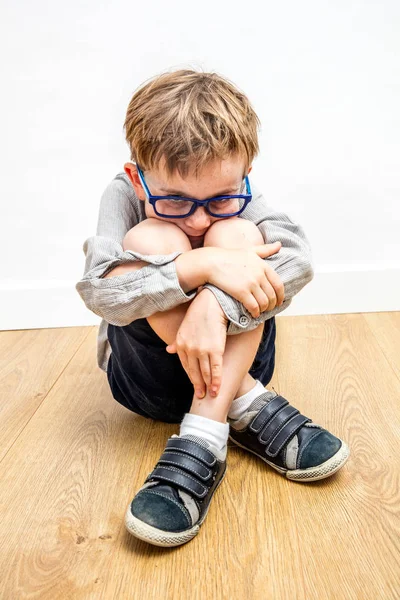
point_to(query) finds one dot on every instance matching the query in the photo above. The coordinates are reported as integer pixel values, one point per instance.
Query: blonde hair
(190, 118)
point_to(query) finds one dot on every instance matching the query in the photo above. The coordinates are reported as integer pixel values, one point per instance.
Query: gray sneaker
(170, 507)
(288, 441)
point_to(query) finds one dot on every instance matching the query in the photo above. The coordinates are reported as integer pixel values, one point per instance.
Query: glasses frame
(195, 202)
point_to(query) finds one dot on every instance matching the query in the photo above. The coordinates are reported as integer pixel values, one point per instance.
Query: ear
(250, 168)
(131, 170)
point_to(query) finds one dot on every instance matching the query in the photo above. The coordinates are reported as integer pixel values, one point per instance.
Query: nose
(199, 220)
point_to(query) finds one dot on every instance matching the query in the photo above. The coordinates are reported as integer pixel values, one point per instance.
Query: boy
(188, 288)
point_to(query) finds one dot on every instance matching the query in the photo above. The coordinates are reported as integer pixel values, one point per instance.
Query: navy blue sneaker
(170, 507)
(288, 441)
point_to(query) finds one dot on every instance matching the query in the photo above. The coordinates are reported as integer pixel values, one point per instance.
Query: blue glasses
(179, 207)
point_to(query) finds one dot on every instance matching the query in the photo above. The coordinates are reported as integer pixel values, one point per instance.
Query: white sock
(240, 405)
(214, 432)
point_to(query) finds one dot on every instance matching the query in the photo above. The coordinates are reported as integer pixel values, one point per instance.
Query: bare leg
(240, 349)
(239, 354)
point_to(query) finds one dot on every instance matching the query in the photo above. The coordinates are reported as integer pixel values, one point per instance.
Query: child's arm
(135, 294)
(293, 263)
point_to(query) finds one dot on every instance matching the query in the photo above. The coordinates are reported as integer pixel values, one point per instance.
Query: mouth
(195, 237)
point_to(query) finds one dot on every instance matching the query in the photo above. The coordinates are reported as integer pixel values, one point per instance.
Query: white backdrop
(323, 76)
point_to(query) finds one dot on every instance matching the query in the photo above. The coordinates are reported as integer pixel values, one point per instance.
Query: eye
(175, 202)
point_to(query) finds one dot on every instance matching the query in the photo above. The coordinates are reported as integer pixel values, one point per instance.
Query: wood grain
(386, 328)
(74, 458)
(30, 362)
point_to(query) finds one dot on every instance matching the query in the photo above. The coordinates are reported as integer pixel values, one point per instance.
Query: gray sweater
(139, 294)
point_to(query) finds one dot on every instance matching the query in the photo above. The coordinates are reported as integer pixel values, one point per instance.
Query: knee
(233, 233)
(153, 236)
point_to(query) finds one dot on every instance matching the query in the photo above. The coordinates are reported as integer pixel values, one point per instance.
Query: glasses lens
(227, 206)
(181, 208)
(173, 208)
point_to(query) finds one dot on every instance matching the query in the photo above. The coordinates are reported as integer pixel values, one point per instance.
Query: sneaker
(174, 500)
(289, 442)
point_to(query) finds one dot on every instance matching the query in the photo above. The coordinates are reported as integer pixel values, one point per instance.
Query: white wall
(323, 76)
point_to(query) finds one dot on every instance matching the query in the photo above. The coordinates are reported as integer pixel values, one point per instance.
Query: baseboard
(56, 303)
(360, 290)
(42, 305)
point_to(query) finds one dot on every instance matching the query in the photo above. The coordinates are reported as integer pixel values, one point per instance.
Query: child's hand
(200, 343)
(244, 275)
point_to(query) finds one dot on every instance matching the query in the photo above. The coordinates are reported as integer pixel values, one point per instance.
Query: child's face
(217, 178)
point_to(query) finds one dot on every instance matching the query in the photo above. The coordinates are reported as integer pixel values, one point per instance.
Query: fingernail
(200, 393)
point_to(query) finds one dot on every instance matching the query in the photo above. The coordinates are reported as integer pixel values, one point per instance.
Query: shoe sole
(325, 469)
(159, 537)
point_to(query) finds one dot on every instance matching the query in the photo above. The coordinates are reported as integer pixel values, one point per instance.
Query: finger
(184, 361)
(270, 293)
(216, 360)
(264, 295)
(250, 302)
(276, 283)
(204, 362)
(266, 250)
(171, 348)
(195, 375)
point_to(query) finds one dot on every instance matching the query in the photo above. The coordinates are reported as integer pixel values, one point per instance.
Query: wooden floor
(72, 458)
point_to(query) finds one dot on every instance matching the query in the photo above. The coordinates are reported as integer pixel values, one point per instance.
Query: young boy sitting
(188, 269)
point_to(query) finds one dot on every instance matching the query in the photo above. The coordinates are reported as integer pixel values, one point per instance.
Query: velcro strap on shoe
(181, 479)
(266, 413)
(193, 449)
(276, 423)
(289, 429)
(184, 461)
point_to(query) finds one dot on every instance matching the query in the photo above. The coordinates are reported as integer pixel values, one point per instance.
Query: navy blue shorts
(147, 380)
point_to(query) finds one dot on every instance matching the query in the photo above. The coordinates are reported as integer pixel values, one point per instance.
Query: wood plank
(349, 538)
(69, 476)
(386, 329)
(30, 363)
(61, 512)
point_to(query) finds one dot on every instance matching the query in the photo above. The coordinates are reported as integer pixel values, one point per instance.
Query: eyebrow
(177, 193)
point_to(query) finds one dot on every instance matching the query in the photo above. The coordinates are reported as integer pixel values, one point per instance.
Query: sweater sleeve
(124, 298)
(293, 263)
